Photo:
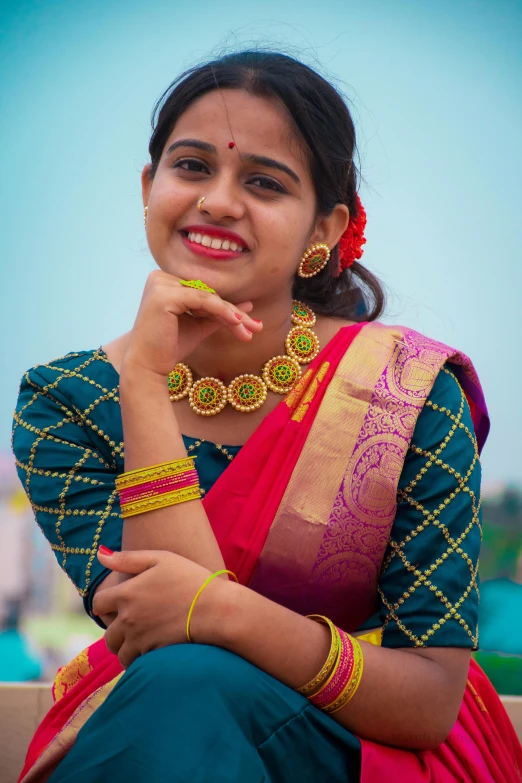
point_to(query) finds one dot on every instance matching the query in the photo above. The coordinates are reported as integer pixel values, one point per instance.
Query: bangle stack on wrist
(148, 489)
(339, 678)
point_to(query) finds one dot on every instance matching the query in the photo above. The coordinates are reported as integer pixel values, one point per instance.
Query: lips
(210, 252)
(215, 237)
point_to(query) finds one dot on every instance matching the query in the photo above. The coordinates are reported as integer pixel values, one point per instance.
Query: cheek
(169, 202)
(282, 231)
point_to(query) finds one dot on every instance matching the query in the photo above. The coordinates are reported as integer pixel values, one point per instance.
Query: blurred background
(435, 92)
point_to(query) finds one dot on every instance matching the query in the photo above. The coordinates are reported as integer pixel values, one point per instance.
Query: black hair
(324, 123)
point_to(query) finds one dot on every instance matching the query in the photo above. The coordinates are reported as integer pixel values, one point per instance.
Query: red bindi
(231, 145)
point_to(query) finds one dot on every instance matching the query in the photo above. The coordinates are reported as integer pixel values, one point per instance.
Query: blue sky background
(436, 98)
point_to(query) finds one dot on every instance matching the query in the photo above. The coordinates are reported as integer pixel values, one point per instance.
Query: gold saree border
(305, 508)
(324, 550)
(61, 744)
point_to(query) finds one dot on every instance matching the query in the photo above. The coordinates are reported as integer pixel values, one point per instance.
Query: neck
(223, 356)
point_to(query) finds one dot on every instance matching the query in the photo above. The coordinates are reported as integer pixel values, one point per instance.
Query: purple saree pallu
(326, 545)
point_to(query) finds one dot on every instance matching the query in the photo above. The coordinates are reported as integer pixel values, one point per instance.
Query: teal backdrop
(435, 89)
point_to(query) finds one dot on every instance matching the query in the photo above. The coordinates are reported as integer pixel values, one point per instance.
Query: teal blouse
(67, 441)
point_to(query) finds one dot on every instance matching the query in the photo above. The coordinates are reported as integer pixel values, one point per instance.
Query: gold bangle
(331, 660)
(353, 683)
(333, 672)
(205, 583)
(161, 501)
(133, 477)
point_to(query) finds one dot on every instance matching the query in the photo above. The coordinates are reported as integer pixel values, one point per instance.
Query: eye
(267, 184)
(190, 164)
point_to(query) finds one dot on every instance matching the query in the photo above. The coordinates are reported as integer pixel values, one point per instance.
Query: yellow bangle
(160, 501)
(153, 472)
(205, 583)
(332, 659)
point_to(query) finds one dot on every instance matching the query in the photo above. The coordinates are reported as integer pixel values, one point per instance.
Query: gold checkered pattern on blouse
(428, 577)
(74, 377)
(84, 454)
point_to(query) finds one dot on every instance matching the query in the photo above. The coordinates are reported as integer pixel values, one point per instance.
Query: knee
(192, 670)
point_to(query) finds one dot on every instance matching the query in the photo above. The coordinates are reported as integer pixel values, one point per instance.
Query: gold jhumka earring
(313, 260)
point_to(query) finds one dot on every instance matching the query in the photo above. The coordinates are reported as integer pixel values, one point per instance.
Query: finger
(204, 304)
(253, 325)
(246, 326)
(114, 637)
(129, 562)
(207, 326)
(128, 654)
(107, 601)
(246, 307)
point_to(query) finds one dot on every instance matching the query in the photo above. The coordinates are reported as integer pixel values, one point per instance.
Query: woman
(355, 498)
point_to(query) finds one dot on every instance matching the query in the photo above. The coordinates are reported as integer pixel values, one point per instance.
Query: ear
(330, 228)
(146, 183)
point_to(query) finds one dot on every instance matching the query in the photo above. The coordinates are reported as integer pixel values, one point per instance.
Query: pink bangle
(142, 496)
(340, 676)
(150, 488)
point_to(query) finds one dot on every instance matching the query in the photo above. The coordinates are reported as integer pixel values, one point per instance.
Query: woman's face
(258, 194)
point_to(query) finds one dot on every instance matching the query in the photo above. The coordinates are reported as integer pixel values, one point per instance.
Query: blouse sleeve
(68, 476)
(429, 580)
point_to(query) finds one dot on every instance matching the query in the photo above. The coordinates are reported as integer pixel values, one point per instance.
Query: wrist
(216, 615)
(135, 387)
(134, 376)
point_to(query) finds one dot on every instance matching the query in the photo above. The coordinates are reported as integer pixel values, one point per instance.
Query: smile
(211, 247)
(214, 242)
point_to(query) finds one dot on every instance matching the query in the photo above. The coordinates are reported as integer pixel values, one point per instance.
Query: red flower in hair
(351, 242)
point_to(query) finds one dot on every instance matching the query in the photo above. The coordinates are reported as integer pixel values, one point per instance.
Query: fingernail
(257, 321)
(105, 550)
(247, 330)
(238, 316)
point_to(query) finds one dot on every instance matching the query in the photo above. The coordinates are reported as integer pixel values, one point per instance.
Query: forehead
(258, 125)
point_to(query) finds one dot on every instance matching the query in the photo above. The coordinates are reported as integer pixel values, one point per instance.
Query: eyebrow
(258, 160)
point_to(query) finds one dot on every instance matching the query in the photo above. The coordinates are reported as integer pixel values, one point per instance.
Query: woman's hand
(153, 606)
(165, 333)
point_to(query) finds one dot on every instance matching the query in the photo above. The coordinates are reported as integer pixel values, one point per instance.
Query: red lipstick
(196, 238)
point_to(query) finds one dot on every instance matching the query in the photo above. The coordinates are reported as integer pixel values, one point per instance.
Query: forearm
(293, 648)
(152, 436)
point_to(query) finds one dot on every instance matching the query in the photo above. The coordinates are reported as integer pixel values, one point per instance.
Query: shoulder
(445, 426)
(79, 382)
(73, 373)
(446, 390)
(78, 391)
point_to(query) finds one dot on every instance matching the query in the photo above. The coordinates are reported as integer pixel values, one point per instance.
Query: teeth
(213, 242)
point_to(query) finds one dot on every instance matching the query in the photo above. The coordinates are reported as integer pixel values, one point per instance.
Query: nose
(223, 199)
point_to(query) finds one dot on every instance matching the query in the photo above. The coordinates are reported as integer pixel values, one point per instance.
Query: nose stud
(200, 202)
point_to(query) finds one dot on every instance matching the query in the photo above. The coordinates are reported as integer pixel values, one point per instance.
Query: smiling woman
(347, 511)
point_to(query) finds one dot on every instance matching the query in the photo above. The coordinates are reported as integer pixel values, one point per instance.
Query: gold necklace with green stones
(246, 393)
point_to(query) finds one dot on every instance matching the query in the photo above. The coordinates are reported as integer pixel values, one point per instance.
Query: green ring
(197, 284)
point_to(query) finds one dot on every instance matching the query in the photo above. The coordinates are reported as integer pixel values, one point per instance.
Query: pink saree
(307, 536)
